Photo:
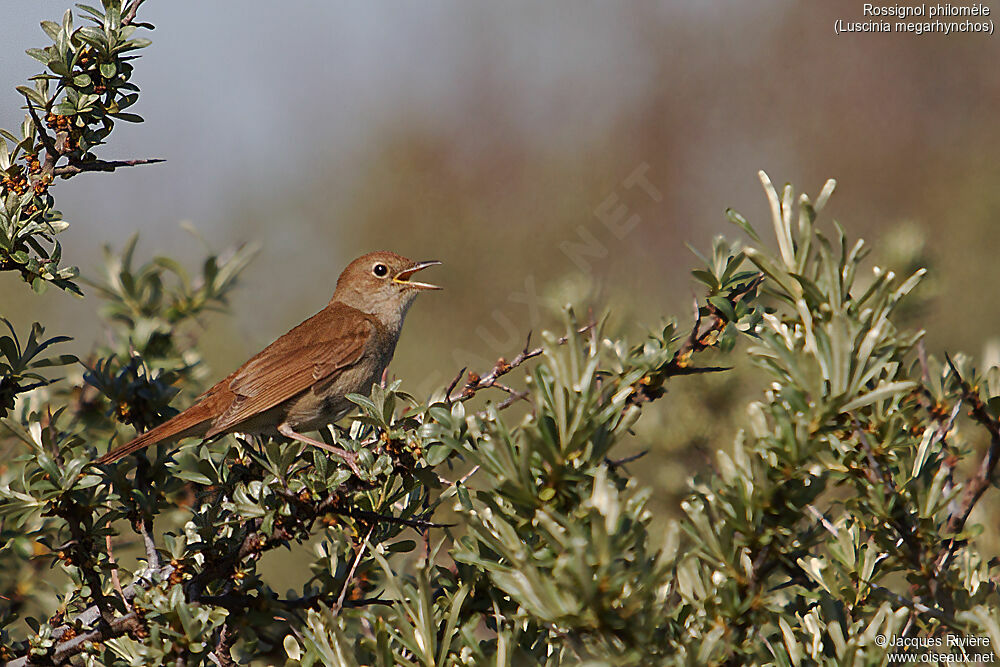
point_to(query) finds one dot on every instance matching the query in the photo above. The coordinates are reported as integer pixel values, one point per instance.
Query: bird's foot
(350, 458)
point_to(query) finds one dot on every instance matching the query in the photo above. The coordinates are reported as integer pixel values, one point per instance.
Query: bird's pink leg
(350, 458)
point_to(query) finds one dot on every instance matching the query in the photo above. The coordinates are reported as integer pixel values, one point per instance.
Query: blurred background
(500, 138)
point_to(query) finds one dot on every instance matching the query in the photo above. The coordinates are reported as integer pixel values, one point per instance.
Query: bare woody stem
(129, 16)
(976, 486)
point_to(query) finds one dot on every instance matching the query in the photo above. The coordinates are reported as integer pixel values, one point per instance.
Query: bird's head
(381, 284)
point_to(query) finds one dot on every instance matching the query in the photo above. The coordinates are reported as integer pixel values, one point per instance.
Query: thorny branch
(221, 655)
(78, 167)
(57, 148)
(129, 16)
(703, 336)
(475, 382)
(354, 568)
(980, 481)
(67, 649)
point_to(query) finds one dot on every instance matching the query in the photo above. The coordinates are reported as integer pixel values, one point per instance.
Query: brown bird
(300, 381)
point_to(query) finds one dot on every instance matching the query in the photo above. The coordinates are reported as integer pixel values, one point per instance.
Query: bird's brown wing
(328, 342)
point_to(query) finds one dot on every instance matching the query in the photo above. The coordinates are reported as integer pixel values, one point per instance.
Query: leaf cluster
(72, 109)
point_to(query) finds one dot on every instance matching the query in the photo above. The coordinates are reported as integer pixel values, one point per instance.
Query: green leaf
(193, 476)
(707, 278)
(41, 55)
(128, 117)
(32, 95)
(742, 223)
(882, 392)
(9, 349)
(51, 29)
(724, 306)
(138, 43)
(403, 546)
(61, 360)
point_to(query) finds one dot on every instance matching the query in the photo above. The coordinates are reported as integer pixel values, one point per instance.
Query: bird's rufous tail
(184, 425)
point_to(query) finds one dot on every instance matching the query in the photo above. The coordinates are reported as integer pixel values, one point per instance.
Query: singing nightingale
(300, 382)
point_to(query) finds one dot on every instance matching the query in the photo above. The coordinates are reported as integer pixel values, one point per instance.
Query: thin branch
(976, 486)
(236, 602)
(368, 515)
(144, 524)
(462, 480)
(221, 654)
(476, 383)
(115, 580)
(92, 613)
(925, 373)
(129, 16)
(510, 400)
(353, 570)
(509, 390)
(77, 167)
(152, 555)
(918, 607)
(47, 141)
(830, 528)
(702, 337)
(458, 376)
(693, 336)
(874, 472)
(617, 463)
(67, 649)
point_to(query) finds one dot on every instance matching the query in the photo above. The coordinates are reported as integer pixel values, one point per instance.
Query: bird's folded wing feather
(325, 344)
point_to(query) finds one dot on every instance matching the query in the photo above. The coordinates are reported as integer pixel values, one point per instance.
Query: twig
(925, 373)
(830, 528)
(874, 473)
(78, 167)
(503, 387)
(129, 14)
(353, 570)
(693, 336)
(115, 581)
(90, 615)
(510, 400)
(368, 515)
(476, 383)
(980, 481)
(241, 601)
(144, 524)
(67, 649)
(702, 337)
(221, 654)
(47, 141)
(458, 376)
(461, 480)
(53, 153)
(152, 556)
(617, 463)
(918, 607)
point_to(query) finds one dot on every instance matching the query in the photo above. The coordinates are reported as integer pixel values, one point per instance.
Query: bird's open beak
(403, 277)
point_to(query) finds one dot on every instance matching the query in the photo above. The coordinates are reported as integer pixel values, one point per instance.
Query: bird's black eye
(380, 270)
